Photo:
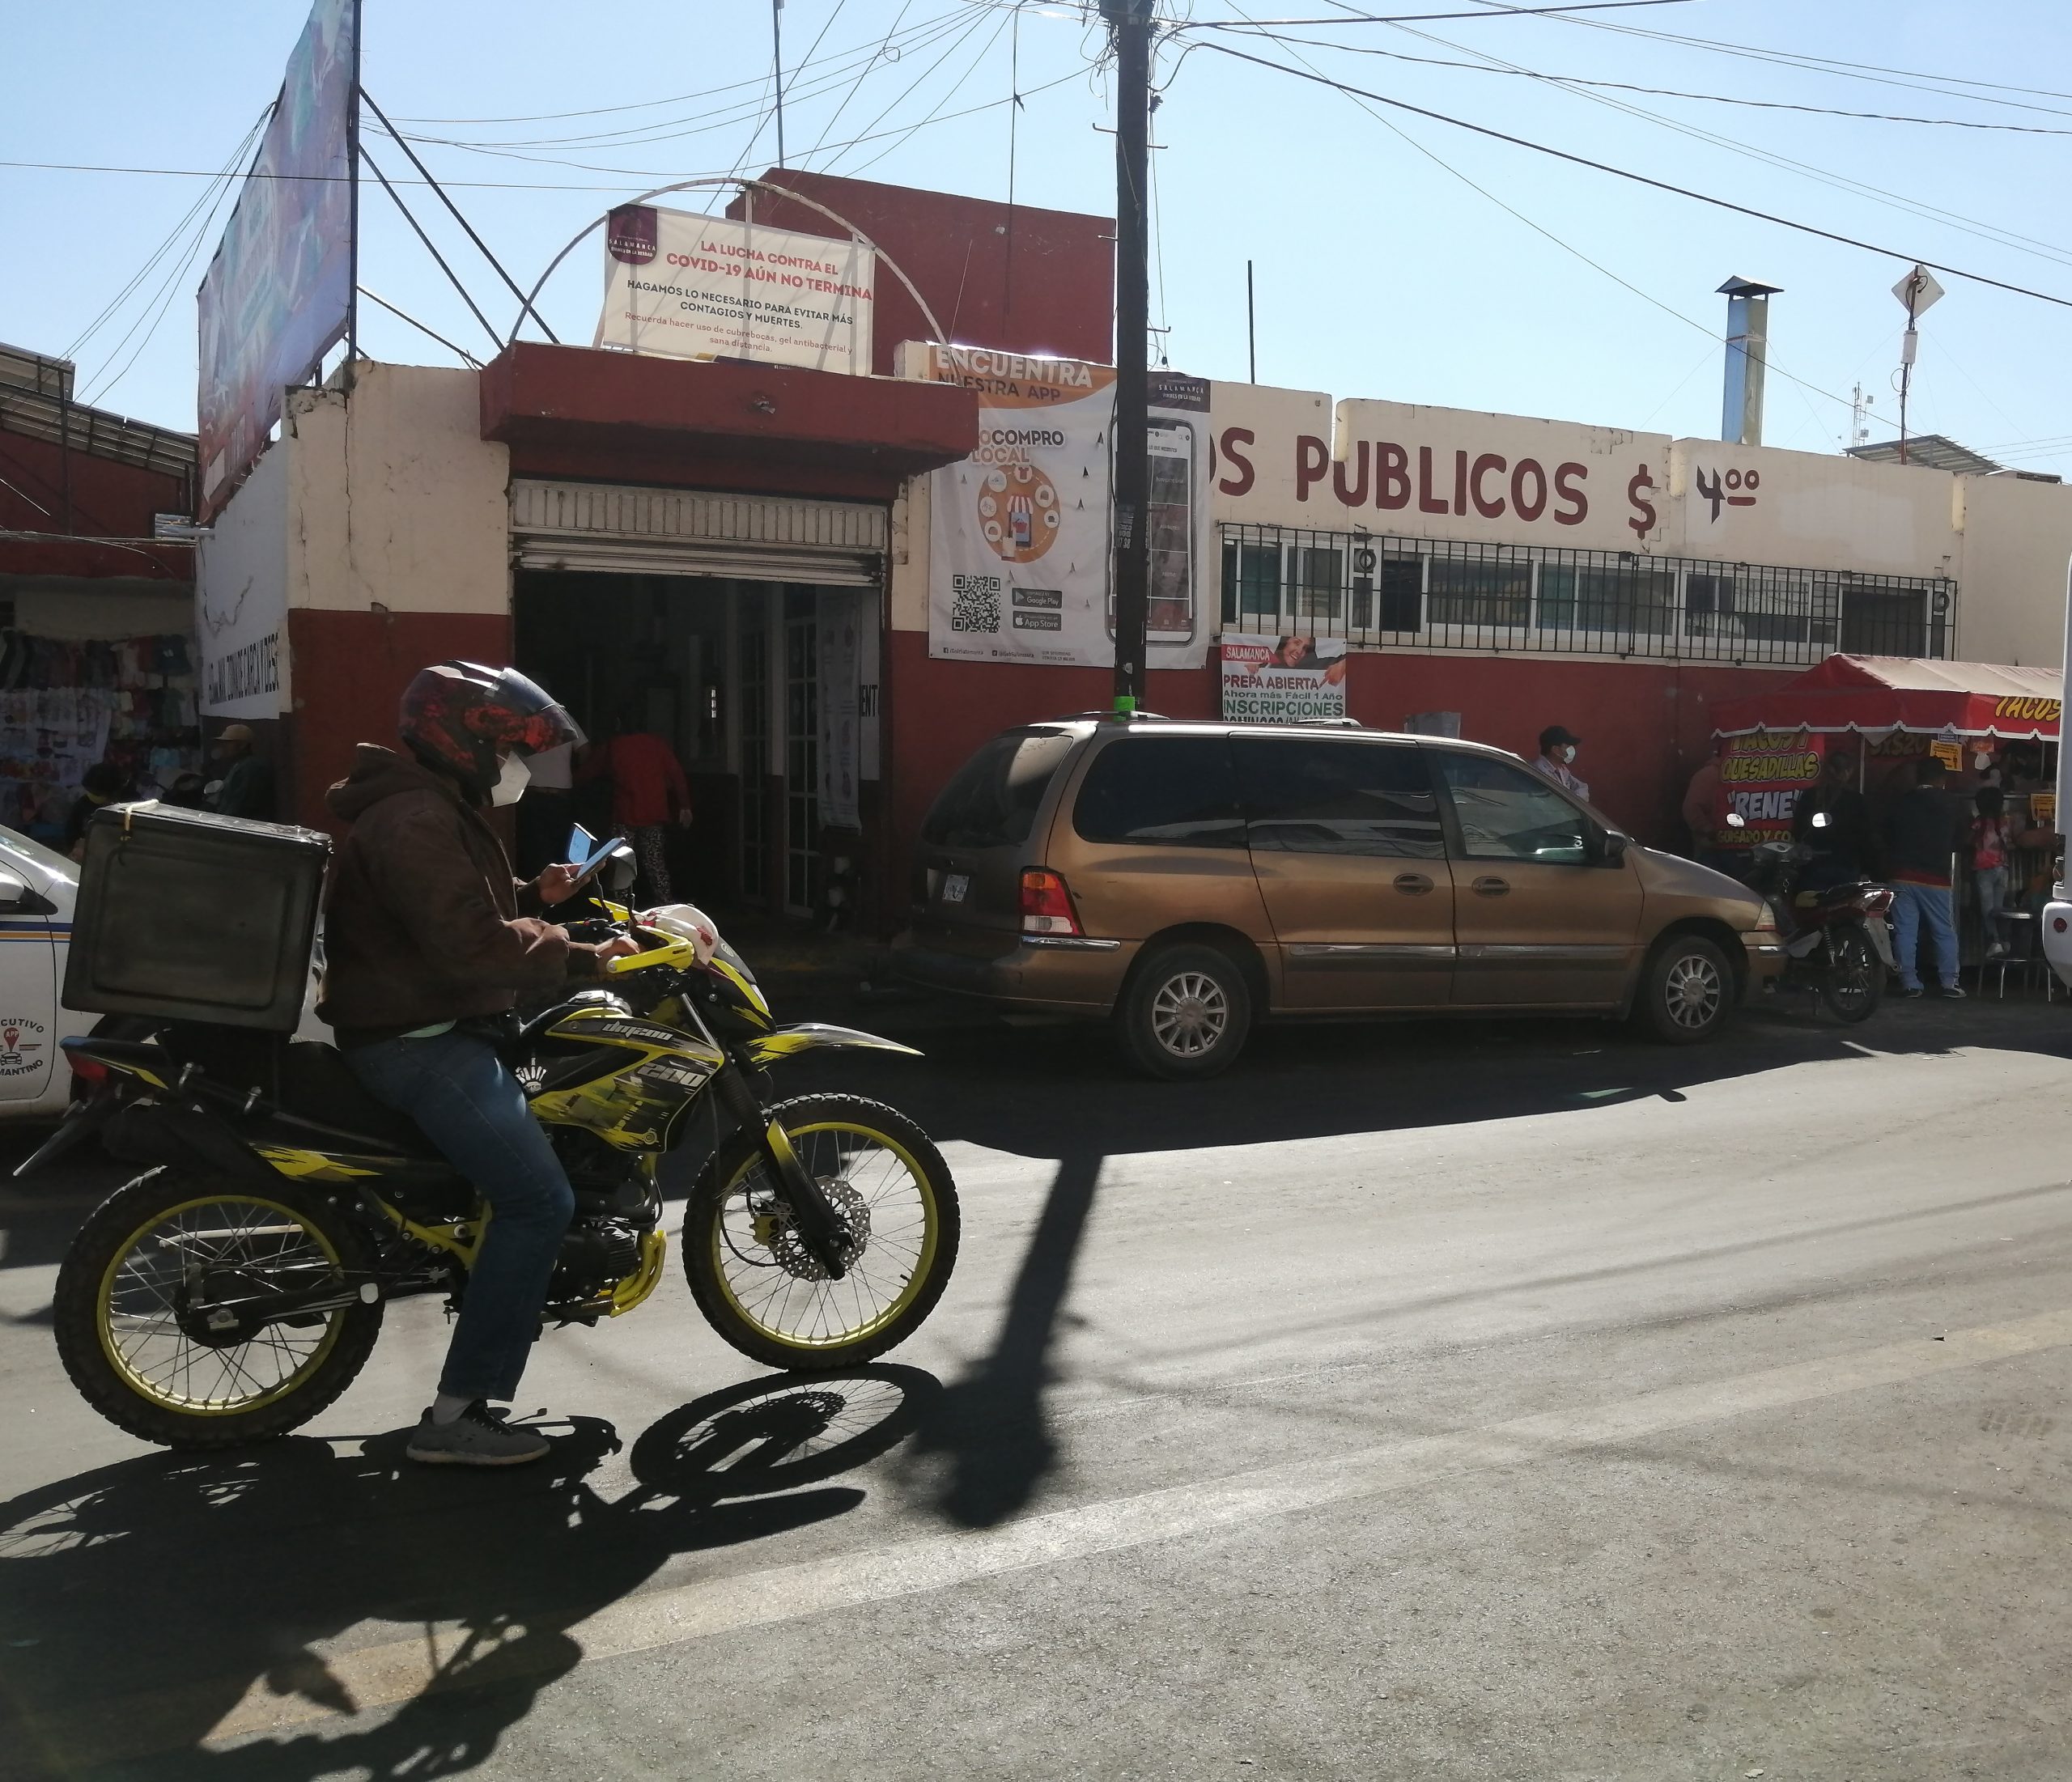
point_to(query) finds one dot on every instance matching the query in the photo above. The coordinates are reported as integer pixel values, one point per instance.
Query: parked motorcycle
(1838, 942)
(234, 1290)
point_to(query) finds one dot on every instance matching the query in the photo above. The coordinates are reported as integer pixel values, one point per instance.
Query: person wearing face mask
(1558, 750)
(426, 934)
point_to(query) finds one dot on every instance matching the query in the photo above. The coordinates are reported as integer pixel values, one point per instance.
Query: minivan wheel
(1186, 1013)
(1687, 992)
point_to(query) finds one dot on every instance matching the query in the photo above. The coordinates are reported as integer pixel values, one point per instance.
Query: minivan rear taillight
(1046, 904)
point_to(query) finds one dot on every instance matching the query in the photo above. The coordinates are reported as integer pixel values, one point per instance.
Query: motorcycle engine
(596, 1255)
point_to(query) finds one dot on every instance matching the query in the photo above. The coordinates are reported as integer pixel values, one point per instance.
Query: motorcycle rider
(424, 935)
(1845, 848)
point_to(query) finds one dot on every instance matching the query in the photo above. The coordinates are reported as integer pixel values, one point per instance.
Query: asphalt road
(1474, 1401)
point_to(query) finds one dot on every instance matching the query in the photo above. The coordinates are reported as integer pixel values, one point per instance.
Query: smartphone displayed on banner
(1170, 512)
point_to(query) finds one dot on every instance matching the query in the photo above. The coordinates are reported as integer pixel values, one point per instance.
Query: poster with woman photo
(1286, 680)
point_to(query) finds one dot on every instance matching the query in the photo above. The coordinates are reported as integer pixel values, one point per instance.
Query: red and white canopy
(1875, 695)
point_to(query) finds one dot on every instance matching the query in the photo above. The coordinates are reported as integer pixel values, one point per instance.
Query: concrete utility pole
(1129, 23)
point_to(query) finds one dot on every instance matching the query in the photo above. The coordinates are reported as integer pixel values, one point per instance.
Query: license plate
(954, 886)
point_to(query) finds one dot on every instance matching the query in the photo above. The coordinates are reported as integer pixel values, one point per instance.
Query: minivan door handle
(1412, 884)
(1490, 886)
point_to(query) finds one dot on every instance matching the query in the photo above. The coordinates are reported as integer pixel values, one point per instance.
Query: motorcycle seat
(318, 1085)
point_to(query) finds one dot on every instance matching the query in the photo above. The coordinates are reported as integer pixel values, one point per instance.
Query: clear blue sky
(1380, 273)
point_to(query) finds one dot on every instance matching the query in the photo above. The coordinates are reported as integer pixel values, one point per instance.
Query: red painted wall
(349, 671)
(109, 499)
(1645, 727)
(1026, 280)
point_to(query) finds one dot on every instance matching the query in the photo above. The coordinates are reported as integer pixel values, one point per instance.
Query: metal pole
(777, 55)
(1909, 344)
(1130, 23)
(1251, 328)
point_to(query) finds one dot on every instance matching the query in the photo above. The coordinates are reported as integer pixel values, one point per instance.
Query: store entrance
(730, 673)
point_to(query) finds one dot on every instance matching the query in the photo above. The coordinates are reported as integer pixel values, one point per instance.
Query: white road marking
(383, 1675)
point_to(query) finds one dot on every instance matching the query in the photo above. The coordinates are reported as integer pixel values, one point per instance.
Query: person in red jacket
(649, 792)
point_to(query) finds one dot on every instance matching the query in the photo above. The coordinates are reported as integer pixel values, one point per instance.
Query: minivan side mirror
(17, 899)
(1607, 847)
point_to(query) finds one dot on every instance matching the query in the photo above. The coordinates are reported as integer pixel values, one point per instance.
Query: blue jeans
(1912, 905)
(469, 1105)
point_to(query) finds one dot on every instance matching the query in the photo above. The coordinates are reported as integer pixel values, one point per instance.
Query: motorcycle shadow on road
(146, 1605)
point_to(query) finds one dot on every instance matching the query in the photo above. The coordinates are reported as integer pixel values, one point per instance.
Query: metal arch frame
(785, 191)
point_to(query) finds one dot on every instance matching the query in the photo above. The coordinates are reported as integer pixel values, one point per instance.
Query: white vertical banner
(1018, 531)
(836, 614)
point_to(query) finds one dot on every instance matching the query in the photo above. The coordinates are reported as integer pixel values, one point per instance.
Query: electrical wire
(985, 49)
(920, 80)
(856, 85)
(165, 247)
(1910, 79)
(1679, 92)
(1642, 179)
(1419, 18)
(685, 99)
(1966, 225)
(1565, 246)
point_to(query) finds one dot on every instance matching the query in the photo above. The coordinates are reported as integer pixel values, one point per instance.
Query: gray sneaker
(477, 1437)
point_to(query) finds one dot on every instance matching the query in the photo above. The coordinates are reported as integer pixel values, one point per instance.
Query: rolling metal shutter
(616, 528)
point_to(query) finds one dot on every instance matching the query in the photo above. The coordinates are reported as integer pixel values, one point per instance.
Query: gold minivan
(1186, 879)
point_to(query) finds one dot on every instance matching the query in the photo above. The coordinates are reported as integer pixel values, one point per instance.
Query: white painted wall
(241, 596)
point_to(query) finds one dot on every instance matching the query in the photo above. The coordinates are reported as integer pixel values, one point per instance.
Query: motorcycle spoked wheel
(119, 1327)
(1852, 982)
(754, 1282)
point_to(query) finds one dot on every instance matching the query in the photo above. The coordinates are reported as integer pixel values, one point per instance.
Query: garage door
(619, 528)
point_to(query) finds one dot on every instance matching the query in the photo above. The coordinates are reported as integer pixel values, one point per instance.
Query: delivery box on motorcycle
(190, 916)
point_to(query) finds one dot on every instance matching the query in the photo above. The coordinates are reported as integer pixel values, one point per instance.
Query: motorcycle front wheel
(1853, 984)
(146, 1309)
(755, 1282)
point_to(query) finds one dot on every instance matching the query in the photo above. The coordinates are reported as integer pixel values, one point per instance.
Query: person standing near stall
(1921, 841)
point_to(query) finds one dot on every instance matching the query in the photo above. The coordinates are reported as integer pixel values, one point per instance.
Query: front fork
(827, 1239)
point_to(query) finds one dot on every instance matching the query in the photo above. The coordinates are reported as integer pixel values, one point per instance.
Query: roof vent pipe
(1747, 351)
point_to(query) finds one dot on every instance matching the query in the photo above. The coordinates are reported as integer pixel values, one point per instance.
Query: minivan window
(1507, 812)
(1308, 795)
(1161, 792)
(991, 802)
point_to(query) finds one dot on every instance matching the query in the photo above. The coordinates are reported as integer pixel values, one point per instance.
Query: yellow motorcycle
(236, 1288)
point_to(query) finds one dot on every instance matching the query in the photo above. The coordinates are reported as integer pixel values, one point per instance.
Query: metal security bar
(1443, 594)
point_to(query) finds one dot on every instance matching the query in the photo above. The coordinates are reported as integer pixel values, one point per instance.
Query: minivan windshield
(992, 801)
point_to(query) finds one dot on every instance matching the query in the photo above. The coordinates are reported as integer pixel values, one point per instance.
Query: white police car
(37, 890)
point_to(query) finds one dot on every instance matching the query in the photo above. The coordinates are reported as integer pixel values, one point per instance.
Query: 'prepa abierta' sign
(1283, 680)
(693, 287)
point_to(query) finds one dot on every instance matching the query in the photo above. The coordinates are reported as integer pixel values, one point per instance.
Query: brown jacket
(422, 923)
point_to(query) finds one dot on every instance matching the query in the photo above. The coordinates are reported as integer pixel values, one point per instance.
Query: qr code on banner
(975, 602)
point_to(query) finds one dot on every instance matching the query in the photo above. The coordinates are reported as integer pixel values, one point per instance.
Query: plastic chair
(2018, 929)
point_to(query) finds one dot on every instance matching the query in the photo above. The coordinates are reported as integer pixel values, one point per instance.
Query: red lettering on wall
(1425, 503)
(1312, 460)
(1490, 508)
(1529, 473)
(1239, 481)
(1357, 495)
(1460, 482)
(1568, 485)
(1392, 475)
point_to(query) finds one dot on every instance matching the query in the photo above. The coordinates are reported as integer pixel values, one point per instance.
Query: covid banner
(1283, 680)
(1761, 776)
(278, 294)
(691, 287)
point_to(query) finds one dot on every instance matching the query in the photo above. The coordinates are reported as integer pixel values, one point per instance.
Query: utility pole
(1129, 23)
(1917, 290)
(777, 57)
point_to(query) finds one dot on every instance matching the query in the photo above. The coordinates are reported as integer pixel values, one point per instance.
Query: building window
(1617, 601)
(1251, 582)
(1483, 593)
(1879, 619)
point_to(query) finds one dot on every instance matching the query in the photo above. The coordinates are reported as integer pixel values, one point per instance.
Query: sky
(1395, 256)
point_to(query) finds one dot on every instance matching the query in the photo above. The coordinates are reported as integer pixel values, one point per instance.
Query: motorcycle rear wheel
(751, 1279)
(1852, 982)
(120, 1333)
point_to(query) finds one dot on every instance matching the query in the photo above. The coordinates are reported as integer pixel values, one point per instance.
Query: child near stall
(1991, 838)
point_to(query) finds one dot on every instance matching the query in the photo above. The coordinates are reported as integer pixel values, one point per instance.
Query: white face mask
(511, 779)
(1567, 751)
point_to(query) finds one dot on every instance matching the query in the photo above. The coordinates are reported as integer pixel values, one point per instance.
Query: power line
(1642, 179)
(1678, 92)
(1422, 17)
(962, 38)
(1927, 212)
(985, 49)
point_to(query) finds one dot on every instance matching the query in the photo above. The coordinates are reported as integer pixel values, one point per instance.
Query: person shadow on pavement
(141, 1604)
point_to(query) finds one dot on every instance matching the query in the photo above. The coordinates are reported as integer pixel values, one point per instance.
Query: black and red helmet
(461, 717)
